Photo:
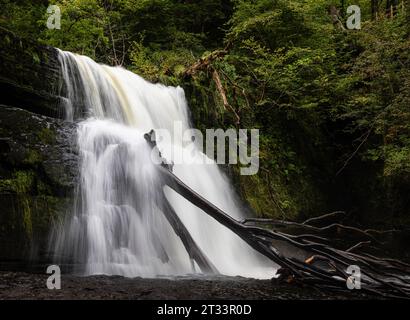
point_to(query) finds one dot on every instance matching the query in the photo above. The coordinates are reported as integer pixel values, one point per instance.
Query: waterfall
(117, 226)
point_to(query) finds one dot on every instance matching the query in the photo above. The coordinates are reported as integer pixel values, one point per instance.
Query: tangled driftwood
(321, 265)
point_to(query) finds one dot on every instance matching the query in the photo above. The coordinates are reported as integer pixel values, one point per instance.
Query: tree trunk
(325, 265)
(375, 8)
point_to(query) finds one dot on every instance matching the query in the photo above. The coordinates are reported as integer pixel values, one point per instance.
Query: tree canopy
(332, 104)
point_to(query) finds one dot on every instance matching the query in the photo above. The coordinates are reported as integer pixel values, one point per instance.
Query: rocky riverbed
(22, 285)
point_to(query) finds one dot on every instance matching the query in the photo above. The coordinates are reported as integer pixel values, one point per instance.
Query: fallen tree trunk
(204, 63)
(326, 266)
(194, 252)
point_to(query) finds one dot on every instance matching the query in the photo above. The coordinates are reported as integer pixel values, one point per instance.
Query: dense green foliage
(332, 104)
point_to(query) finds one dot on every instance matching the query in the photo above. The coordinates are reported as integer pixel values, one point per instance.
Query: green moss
(36, 58)
(46, 136)
(268, 197)
(27, 220)
(21, 182)
(47, 209)
(5, 185)
(33, 157)
(35, 207)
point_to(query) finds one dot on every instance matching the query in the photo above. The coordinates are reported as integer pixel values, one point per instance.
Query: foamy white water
(117, 226)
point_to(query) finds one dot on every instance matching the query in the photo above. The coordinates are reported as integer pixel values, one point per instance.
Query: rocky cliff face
(38, 157)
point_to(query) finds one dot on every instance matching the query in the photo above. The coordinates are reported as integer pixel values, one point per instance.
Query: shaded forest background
(332, 105)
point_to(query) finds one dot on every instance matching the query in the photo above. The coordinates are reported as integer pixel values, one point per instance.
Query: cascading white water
(117, 226)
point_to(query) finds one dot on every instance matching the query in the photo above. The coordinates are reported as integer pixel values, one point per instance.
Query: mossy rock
(30, 74)
(38, 173)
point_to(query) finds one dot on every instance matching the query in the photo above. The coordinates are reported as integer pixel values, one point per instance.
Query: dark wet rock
(38, 173)
(37, 142)
(30, 76)
(38, 158)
